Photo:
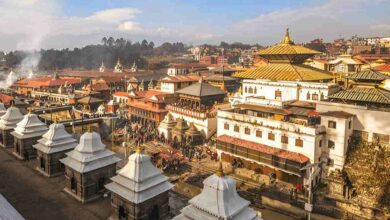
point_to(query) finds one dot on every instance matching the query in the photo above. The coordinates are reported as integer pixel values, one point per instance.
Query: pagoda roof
(285, 72)
(168, 121)
(192, 130)
(201, 89)
(139, 180)
(364, 94)
(56, 139)
(287, 50)
(383, 68)
(29, 126)
(368, 74)
(11, 117)
(90, 154)
(218, 200)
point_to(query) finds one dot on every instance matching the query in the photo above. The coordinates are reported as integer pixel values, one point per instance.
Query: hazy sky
(34, 24)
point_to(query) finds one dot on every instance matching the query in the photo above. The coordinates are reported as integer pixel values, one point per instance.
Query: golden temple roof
(285, 72)
(285, 64)
(286, 47)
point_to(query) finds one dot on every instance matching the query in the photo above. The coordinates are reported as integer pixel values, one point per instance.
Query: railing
(192, 112)
(271, 123)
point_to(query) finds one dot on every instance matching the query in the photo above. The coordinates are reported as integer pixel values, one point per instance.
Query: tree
(104, 41)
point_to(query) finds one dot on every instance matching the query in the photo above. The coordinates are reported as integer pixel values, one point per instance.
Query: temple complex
(26, 134)
(139, 190)
(7, 124)
(88, 168)
(218, 200)
(51, 148)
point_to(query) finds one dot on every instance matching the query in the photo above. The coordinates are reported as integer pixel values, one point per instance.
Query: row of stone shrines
(138, 191)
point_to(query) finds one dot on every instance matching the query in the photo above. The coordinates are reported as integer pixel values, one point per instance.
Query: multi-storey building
(197, 104)
(171, 84)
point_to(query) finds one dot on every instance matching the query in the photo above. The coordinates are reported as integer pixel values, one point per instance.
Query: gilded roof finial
(287, 38)
(138, 149)
(220, 170)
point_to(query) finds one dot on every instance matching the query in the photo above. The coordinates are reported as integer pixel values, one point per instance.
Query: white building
(171, 84)
(285, 90)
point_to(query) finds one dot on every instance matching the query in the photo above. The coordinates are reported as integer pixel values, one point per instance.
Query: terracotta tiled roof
(264, 149)
(145, 107)
(383, 68)
(5, 98)
(149, 94)
(46, 81)
(122, 94)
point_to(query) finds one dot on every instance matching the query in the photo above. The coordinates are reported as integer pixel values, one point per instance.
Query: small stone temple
(26, 134)
(51, 148)
(218, 200)
(139, 191)
(7, 124)
(88, 168)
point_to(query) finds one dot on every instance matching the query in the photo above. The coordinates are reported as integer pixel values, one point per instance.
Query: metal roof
(364, 94)
(201, 89)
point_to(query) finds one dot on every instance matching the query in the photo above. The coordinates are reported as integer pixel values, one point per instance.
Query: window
(308, 96)
(320, 143)
(350, 124)
(314, 96)
(236, 128)
(330, 144)
(322, 96)
(226, 126)
(331, 124)
(259, 133)
(250, 90)
(246, 89)
(284, 139)
(255, 90)
(278, 94)
(271, 136)
(247, 131)
(299, 142)
(330, 162)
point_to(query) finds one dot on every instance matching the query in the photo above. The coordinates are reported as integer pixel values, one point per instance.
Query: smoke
(30, 22)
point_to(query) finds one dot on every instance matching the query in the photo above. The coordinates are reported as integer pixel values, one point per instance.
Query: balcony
(271, 123)
(192, 112)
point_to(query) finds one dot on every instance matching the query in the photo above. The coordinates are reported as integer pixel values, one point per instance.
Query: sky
(36, 24)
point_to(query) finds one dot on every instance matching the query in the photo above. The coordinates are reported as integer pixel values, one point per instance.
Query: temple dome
(218, 200)
(90, 154)
(90, 142)
(30, 126)
(56, 139)
(11, 117)
(139, 180)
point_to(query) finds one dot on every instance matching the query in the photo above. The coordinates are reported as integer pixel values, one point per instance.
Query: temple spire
(220, 170)
(287, 39)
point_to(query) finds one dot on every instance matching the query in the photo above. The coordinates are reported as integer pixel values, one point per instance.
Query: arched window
(255, 90)
(278, 94)
(250, 90)
(236, 128)
(322, 96)
(246, 89)
(308, 96)
(314, 96)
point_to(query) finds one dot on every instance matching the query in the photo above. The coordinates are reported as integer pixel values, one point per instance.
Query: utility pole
(309, 204)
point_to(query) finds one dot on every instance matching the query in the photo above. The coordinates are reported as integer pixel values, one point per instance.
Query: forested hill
(91, 56)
